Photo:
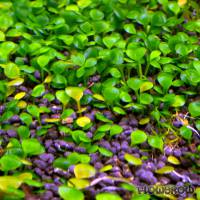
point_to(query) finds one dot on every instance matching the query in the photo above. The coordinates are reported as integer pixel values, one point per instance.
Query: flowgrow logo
(166, 189)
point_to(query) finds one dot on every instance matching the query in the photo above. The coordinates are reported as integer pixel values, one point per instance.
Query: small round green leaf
(115, 73)
(62, 97)
(119, 110)
(105, 152)
(136, 54)
(179, 101)
(165, 80)
(156, 142)
(138, 137)
(186, 133)
(125, 97)
(83, 121)
(38, 90)
(130, 28)
(132, 159)
(32, 147)
(115, 129)
(194, 108)
(12, 71)
(146, 98)
(174, 7)
(43, 60)
(134, 83)
(158, 19)
(9, 162)
(110, 40)
(108, 196)
(33, 110)
(96, 14)
(173, 160)
(146, 86)
(110, 94)
(68, 193)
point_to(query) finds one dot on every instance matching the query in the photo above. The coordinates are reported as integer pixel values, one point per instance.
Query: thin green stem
(39, 121)
(121, 69)
(79, 106)
(129, 72)
(137, 96)
(140, 70)
(147, 67)
(63, 107)
(42, 74)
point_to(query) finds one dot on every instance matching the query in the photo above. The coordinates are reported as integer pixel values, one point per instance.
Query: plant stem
(129, 73)
(147, 67)
(63, 107)
(121, 69)
(39, 121)
(140, 70)
(42, 74)
(79, 107)
(137, 96)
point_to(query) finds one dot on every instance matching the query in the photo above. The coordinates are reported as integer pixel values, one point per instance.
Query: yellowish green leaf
(9, 181)
(78, 183)
(106, 168)
(74, 92)
(48, 79)
(19, 95)
(146, 86)
(144, 121)
(84, 171)
(84, 3)
(21, 104)
(98, 97)
(165, 170)
(182, 2)
(16, 82)
(72, 7)
(25, 162)
(10, 91)
(132, 159)
(83, 121)
(52, 120)
(173, 160)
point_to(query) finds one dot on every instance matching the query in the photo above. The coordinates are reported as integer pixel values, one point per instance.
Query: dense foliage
(98, 97)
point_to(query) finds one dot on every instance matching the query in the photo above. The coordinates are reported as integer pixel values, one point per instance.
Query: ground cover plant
(99, 99)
